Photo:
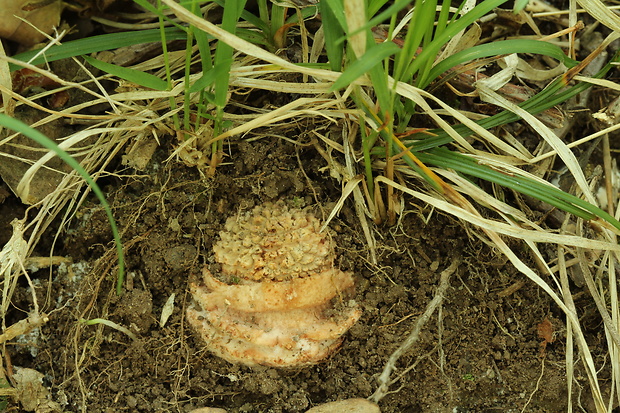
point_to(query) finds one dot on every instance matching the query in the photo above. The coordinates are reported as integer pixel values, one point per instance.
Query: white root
(390, 366)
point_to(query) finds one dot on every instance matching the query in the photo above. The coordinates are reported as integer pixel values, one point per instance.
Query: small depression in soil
(483, 353)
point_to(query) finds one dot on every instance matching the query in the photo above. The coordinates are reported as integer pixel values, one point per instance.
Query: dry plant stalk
(24, 326)
(463, 209)
(431, 307)
(12, 258)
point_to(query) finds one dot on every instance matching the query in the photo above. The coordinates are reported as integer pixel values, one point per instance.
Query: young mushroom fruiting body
(278, 301)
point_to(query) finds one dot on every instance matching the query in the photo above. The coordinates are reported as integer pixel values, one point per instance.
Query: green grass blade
(431, 50)
(263, 13)
(336, 10)
(519, 5)
(202, 40)
(364, 64)
(430, 8)
(278, 17)
(252, 36)
(418, 27)
(445, 158)
(375, 5)
(209, 77)
(44, 141)
(224, 52)
(94, 44)
(255, 21)
(136, 76)
(383, 92)
(333, 31)
(168, 72)
(500, 48)
(443, 19)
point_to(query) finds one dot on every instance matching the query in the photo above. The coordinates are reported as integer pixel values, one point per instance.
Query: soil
(484, 353)
(496, 345)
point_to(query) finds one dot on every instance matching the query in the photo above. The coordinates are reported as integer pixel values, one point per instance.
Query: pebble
(347, 406)
(342, 406)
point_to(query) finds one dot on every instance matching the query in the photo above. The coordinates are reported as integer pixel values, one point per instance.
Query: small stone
(347, 406)
(132, 402)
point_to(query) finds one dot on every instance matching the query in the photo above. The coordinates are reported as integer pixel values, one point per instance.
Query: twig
(34, 320)
(390, 366)
(542, 372)
(111, 324)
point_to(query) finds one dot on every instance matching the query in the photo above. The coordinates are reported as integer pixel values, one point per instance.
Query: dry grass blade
(597, 297)
(12, 254)
(5, 82)
(599, 82)
(355, 11)
(275, 86)
(466, 211)
(287, 111)
(602, 13)
(244, 46)
(568, 299)
(488, 94)
(578, 142)
(347, 190)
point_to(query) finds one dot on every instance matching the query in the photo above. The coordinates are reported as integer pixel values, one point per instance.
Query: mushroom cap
(273, 242)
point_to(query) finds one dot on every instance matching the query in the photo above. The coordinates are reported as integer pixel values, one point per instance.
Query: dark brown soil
(496, 345)
(482, 354)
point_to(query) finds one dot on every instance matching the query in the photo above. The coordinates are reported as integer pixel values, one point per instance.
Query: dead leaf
(167, 310)
(31, 393)
(140, 154)
(43, 14)
(545, 332)
(18, 154)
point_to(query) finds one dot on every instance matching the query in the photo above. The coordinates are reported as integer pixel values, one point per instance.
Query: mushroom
(278, 300)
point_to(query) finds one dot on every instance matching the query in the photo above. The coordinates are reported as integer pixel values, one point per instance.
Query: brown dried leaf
(43, 14)
(545, 332)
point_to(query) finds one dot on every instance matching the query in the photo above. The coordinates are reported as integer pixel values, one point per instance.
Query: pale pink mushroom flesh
(272, 317)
